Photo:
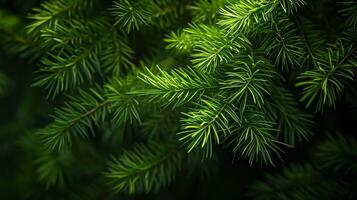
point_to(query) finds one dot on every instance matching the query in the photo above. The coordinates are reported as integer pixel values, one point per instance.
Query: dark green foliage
(294, 124)
(324, 83)
(177, 88)
(76, 119)
(349, 10)
(255, 139)
(144, 168)
(307, 181)
(3, 82)
(296, 182)
(206, 124)
(174, 89)
(338, 153)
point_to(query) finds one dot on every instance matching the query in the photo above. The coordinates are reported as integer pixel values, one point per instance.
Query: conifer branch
(124, 105)
(296, 182)
(74, 120)
(176, 87)
(249, 80)
(69, 69)
(325, 83)
(144, 168)
(338, 153)
(294, 125)
(50, 13)
(208, 124)
(254, 139)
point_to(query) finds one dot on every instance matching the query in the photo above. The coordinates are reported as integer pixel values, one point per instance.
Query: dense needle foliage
(155, 98)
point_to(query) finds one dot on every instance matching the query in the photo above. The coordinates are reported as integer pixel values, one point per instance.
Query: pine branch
(249, 80)
(72, 33)
(75, 119)
(298, 182)
(293, 123)
(69, 69)
(213, 48)
(117, 56)
(52, 12)
(144, 168)
(338, 153)
(254, 138)
(207, 124)
(349, 11)
(176, 87)
(283, 44)
(324, 84)
(206, 10)
(124, 105)
(131, 15)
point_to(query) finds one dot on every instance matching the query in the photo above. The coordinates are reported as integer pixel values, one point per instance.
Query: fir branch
(338, 153)
(293, 123)
(181, 42)
(324, 84)
(117, 54)
(206, 10)
(284, 44)
(213, 48)
(73, 33)
(131, 15)
(296, 182)
(165, 13)
(144, 168)
(52, 12)
(240, 17)
(176, 87)
(207, 124)
(249, 80)
(75, 119)
(349, 11)
(51, 167)
(291, 6)
(69, 69)
(124, 105)
(254, 138)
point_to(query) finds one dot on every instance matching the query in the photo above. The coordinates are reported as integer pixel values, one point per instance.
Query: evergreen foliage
(166, 86)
